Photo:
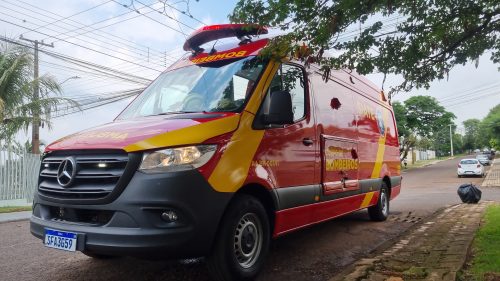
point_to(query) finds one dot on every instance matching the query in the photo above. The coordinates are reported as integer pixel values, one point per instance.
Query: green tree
(16, 92)
(420, 120)
(472, 138)
(458, 143)
(424, 143)
(491, 127)
(407, 139)
(425, 116)
(428, 38)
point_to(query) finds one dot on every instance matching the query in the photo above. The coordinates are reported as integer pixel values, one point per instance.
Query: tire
(242, 242)
(98, 256)
(380, 211)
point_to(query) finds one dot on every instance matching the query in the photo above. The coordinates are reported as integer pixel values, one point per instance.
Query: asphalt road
(315, 253)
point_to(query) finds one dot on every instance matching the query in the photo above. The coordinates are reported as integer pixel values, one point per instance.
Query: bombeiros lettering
(217, 57)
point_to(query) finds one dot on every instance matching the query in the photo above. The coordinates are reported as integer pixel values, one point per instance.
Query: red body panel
(299, 217)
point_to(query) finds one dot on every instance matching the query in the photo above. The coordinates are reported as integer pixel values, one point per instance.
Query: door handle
(307, 141)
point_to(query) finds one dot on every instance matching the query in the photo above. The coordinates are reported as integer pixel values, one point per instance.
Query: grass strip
(486, 260)
(10, 209)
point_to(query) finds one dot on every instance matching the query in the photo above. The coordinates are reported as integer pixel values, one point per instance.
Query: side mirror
(280, 109)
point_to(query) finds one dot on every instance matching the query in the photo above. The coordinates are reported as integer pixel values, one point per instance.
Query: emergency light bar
(215, 32)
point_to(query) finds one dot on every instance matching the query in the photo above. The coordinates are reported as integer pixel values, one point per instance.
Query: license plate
(61, 240)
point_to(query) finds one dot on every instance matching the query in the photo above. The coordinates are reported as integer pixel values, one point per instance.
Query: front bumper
(131, 225)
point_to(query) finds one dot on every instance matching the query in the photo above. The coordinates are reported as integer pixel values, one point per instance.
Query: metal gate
(18, 174)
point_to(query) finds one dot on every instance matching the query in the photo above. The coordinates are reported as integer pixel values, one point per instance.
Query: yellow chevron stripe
(232, 169)
(367, 199)
(379, 160)
(189, 135)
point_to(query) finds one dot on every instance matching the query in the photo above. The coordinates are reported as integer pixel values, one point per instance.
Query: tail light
(478, 165)
(460, 166)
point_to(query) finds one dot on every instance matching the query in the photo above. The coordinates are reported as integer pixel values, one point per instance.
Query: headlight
(177, 159)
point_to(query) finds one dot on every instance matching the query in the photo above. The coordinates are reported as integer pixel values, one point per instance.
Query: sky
(144, 37)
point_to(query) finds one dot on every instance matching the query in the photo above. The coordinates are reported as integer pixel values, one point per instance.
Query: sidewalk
(434, 251)
(493, 176)
(15, 216)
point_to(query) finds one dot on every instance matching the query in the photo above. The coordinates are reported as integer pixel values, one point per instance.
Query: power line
(454, 96)
(97, 102)
(70, 16)
(81, 26)
(176, 30)
(474, 99)
(81, 46)
(172, 18)
(186, 13)
(141, 56)
(89, 65)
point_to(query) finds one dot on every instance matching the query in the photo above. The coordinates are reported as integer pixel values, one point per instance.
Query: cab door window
(290, 78)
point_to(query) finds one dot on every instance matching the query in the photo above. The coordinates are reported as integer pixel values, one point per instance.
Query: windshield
(216, 87)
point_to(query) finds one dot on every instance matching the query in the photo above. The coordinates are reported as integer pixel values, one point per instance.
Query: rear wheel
(380, 211)
(242, 241)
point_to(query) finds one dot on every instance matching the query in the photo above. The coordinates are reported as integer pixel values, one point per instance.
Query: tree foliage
(425, 115)
(422, 122)
(17, 102)
(490, 128)
(429, 38)
(472, 136)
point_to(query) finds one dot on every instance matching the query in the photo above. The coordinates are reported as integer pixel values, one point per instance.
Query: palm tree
(17, 102)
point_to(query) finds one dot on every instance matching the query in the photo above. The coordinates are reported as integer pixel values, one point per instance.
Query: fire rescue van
(223, 152)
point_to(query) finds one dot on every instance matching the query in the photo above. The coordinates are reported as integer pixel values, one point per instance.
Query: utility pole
(451, 142)
(35, 124)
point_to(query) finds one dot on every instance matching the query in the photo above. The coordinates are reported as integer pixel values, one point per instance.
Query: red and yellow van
(221, 153)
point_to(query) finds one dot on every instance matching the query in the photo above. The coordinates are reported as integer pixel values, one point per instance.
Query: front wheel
(242, 242)
(380, 211)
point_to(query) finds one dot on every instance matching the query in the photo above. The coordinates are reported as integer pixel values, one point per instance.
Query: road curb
(15, 216)
(435, 249)
(426, 165)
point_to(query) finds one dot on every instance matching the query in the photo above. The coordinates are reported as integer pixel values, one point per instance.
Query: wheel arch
(387, 180)
(265, 196)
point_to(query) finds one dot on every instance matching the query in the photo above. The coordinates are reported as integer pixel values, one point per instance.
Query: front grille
(82, 216)
(97, 174)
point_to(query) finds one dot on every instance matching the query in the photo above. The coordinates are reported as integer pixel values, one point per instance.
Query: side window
(290, 78)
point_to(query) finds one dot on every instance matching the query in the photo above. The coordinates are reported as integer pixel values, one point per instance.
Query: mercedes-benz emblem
(66, 172)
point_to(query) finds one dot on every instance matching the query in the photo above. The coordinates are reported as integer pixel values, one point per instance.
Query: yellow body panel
(189, 135)
(232, 168)
(367, 199)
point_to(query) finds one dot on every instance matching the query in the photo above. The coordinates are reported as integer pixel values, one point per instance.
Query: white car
(470, 167)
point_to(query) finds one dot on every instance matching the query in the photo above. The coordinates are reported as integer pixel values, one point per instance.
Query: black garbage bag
(469, 193)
